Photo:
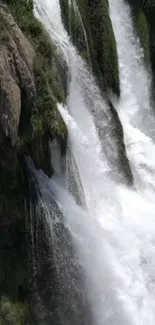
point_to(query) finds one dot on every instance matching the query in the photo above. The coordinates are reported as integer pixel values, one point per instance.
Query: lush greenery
(46, 121)
(48, 85)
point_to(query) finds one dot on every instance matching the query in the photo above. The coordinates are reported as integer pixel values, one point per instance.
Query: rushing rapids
(112, 226)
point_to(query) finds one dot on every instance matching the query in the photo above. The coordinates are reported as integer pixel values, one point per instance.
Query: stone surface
(17, 87)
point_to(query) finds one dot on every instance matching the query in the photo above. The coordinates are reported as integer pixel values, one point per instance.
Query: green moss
(23, 13)
(142, 3)
(100, 39)
(13, 313)
(143, 31)
(46, 123)
(50, 89)
(49, 92)
(73, 21)
(149, 10)
(105, 53)
(48, 83)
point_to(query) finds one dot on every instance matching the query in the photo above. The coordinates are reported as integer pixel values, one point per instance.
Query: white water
(114, 236)
(135, 109)
(86, 97)
(135, 80)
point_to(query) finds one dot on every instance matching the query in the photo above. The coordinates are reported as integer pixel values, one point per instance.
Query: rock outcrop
(32, 81)
(17, 86)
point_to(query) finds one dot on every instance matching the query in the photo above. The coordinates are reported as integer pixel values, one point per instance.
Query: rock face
(17, 87)
(17, 94)
(32, 81)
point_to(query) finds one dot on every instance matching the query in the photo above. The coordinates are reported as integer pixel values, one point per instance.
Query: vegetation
(14, 313)
(142, 28)
(48, 85)
(97, 45)
(45, 123)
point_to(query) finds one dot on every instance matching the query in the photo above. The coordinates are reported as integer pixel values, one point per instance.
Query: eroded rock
(17, 87)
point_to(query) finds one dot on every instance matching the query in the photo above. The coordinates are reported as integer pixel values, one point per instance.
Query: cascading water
(135, 81)
(135, 109)
(86, 102)
(114, 233)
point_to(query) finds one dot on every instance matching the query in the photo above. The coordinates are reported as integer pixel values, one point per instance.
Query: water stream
(135, 108)
(113, 232)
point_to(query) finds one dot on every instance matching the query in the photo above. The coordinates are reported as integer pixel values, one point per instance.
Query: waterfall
(135, 81)
(113, 232)
(135, 108)
(87, 99)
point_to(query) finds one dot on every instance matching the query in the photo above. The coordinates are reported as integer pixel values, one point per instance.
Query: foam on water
(134, 107)
(114, 234)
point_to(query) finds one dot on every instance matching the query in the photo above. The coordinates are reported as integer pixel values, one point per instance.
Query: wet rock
(17, 87)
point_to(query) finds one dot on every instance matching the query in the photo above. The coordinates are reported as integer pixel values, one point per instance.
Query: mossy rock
(51, 87)
(13, 313)
(72, 19)
(99, 46)
(146, 13)
(50, 75)
(142, 28)
(150, 15)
